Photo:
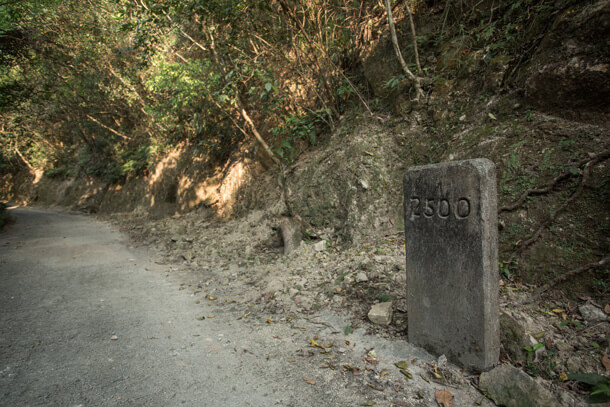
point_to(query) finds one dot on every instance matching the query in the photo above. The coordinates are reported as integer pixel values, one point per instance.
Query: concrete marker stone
(452, 260)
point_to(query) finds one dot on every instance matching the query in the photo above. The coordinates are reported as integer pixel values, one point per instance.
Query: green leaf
(348, 330)
(268, 87)
(591, 379)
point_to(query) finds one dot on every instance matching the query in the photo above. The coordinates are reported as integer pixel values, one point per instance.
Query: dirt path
(87, 321)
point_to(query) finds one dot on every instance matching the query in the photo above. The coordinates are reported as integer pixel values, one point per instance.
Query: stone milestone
(452, 260)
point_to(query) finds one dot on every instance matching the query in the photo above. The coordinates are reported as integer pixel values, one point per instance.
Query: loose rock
(381, 313)
(592, 313)
(361, 277)
(511, 387)
(319, 246)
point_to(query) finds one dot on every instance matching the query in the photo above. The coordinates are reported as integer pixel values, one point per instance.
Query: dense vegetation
(103, 87)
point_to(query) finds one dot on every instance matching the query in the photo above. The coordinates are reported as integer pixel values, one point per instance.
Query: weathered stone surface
(361, 277)
(319, 246)
(381, 314)
(512, 337)
(291, 234)
(452, 260)
(570, 71)
(511, 387)
(591, 313)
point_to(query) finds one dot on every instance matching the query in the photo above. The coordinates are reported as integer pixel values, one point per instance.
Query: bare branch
(110, 129)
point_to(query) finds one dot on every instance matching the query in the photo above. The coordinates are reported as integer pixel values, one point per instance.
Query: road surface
(86, 321)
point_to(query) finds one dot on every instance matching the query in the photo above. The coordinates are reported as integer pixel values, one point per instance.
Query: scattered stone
(304, 302)
(361, 277)
(451, 234)
(574, 364)
(591, 313)
(364, 184)
(513, 337)
(511, 387)
(291, 234)
(319, 246)
(381, 314)
(563, 346)
(114, 338)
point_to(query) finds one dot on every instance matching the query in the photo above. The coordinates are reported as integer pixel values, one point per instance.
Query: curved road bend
(86, 321)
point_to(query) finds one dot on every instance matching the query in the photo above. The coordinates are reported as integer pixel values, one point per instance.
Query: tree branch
(110, 129)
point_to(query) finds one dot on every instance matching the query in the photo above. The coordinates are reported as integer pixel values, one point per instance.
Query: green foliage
(542, 365)
(600, 386)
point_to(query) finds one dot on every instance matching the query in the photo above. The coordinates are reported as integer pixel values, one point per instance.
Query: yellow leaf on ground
(444, 398)
(563, 377)
(558, 310)
(315, 344)
(539, 335)
(402, 365)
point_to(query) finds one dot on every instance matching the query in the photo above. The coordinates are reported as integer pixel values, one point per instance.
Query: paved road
(85, 321)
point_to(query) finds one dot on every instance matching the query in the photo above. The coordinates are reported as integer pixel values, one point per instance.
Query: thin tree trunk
(242, 109)
(410, 75)
(414, 34)
(25, 161)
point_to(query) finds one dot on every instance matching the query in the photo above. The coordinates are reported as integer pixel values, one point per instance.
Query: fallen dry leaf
(425, 378)
(315, 344)
(402, 365)
(309, 380)
(606, 362)
(444, 398)
(607, 309)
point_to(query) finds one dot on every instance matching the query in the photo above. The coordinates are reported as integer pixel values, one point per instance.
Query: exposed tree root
(539, 291)
(549, 185)
(586, 172)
